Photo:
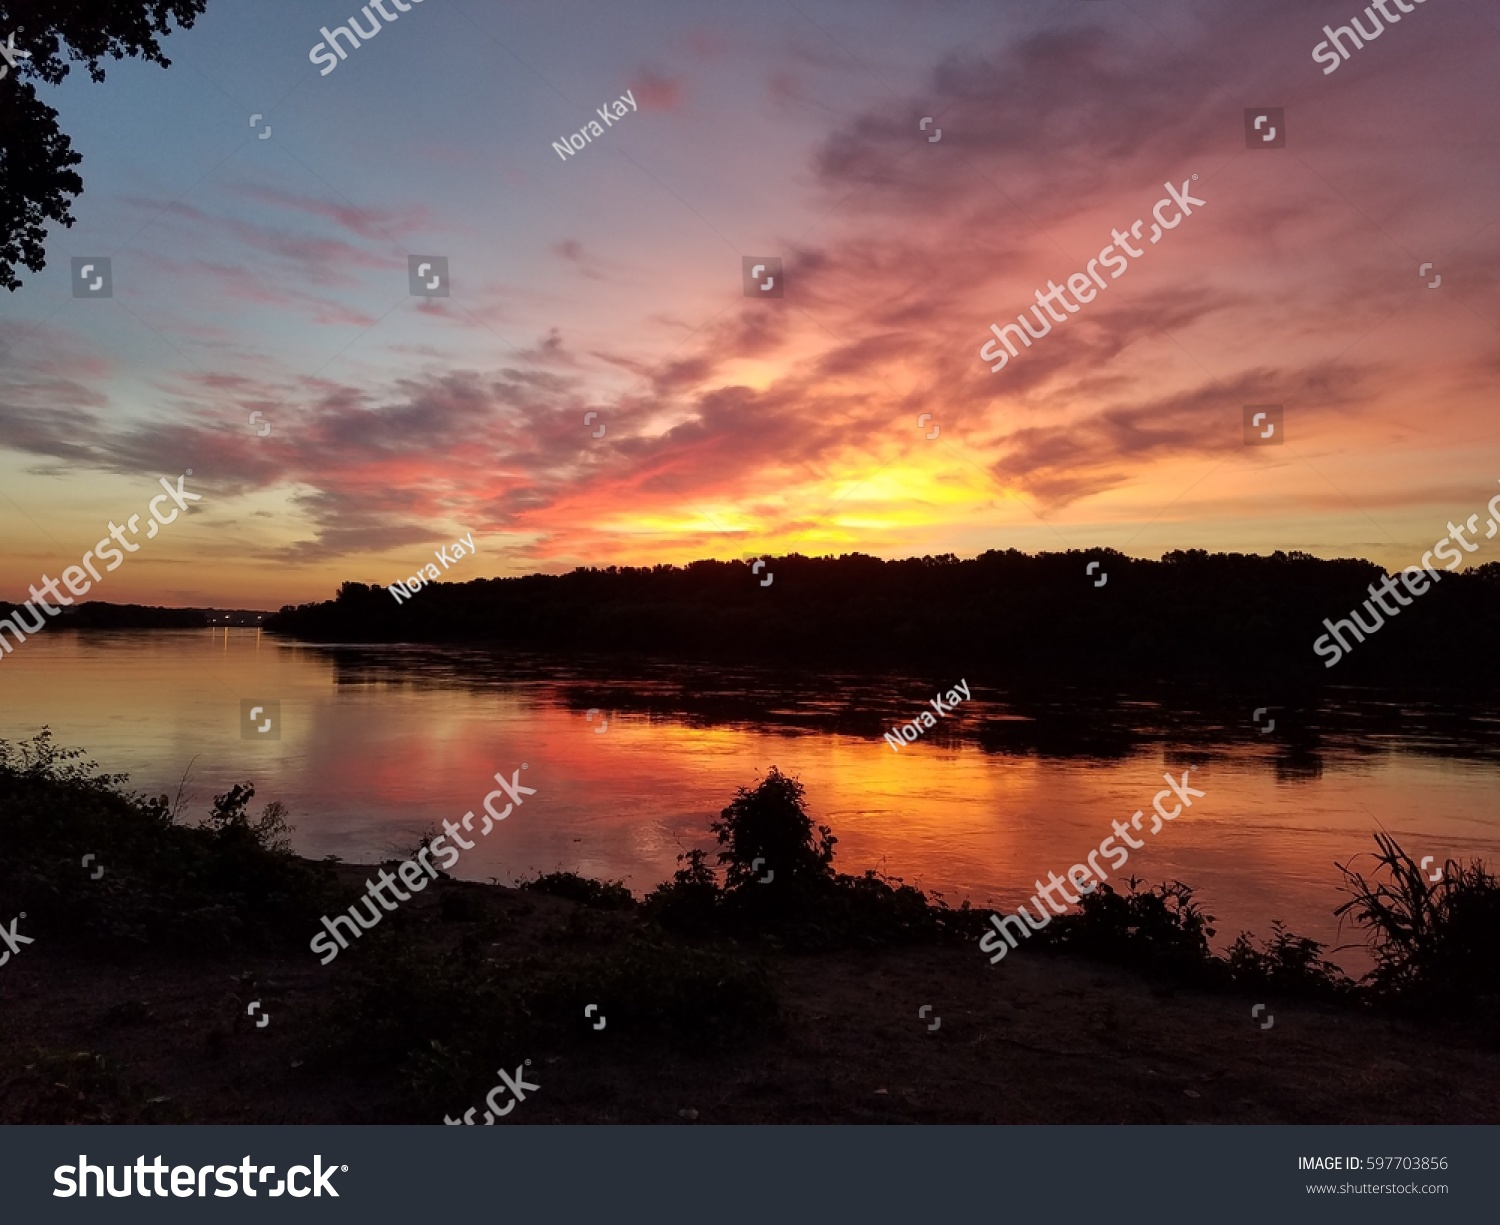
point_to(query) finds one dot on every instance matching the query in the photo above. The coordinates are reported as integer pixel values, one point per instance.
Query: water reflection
(379, 744)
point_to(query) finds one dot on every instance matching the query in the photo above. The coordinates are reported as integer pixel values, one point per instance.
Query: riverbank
(1040, 1038)
(164, 970)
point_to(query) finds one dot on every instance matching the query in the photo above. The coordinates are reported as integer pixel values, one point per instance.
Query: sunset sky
(270, 276)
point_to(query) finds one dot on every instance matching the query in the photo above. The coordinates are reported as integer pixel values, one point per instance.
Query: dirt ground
(1038, 1039)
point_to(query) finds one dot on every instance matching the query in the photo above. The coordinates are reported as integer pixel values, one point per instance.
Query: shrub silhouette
(228, 881)
(1162, 929)
(1288, 963)
(689, 902)
(1436, 945)
(770, 824)
(766, 830)
(596, 894)
(229, 819)
(776, 862)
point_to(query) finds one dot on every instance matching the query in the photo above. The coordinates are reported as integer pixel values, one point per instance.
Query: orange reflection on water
(374, 752)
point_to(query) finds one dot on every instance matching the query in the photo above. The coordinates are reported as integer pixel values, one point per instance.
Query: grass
(1436, 944)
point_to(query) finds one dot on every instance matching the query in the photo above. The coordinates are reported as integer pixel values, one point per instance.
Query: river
(378, 744)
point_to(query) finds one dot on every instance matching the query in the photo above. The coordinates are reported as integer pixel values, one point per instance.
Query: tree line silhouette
(1190, 614)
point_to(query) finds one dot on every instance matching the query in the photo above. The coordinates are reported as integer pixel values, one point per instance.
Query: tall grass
(1436, 944)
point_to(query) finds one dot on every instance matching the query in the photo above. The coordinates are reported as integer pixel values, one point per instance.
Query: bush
(38, 760)
(768, 828)
(875, 910)
(1291, 964)
(690, 901)
(230, 823)
(225, 882)
(1162, 929)
(598, 894)
(778, 875)
(804, 905)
